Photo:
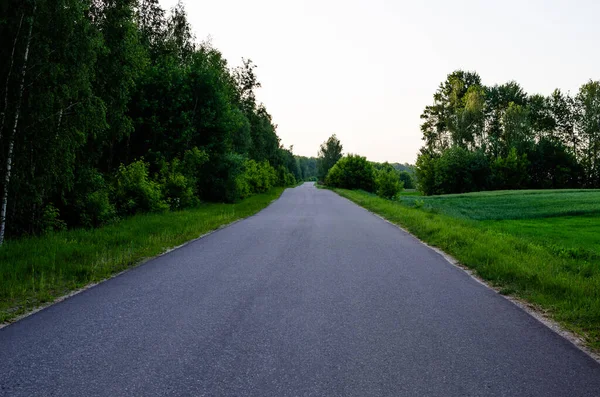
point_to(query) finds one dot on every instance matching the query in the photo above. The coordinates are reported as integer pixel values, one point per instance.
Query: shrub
(134, 191)
(97, 209)
(92, 200)
(286, 178)
(388, 183)
(426, 172)
(50, 220)
(352, 172)
(510, 172)
(192, 168)
(456, 170)
(407, 180)
(176, 188)
(261, 177)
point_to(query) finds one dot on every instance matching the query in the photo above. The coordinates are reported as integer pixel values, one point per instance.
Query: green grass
(512, 204)
(528, 244)
(37, 270)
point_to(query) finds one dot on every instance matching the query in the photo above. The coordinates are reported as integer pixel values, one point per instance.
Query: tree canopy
(329, 154)
(112, 107)
(484, 138)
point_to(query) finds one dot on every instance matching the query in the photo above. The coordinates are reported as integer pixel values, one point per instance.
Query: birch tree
(11, 142)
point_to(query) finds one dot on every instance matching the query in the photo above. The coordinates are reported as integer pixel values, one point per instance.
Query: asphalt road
(313, 296)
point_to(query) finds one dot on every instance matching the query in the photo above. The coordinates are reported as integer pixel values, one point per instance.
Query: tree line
(499, 137)
(356, 172)
(110, 108)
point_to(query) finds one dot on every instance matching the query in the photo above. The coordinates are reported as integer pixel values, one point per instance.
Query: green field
(566, 221)
(542, 246)
(38, 270)
(511, 204)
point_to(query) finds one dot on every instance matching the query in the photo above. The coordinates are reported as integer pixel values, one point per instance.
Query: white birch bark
(8, 76)
(11, 143)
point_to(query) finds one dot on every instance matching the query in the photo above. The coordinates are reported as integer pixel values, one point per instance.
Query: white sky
(365, 69)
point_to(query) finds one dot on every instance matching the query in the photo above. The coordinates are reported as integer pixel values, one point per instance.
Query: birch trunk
(11, 143)
(8, 76)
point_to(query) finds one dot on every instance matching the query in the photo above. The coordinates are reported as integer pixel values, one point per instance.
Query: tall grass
(567, 287)
(37, 270)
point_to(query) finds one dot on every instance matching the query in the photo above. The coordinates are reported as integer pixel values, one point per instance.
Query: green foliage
(51, 219)
(176, 189)
(192, 167)
(134, 192)
(552, 166)
(92, 200)
(388, 183)
(308, 168)
(455, 170)
(352, 172)
(510, 172)
(330, 153)
(286, 178)
(526, 141)
(260, 177)
(109, 83)
(407, 180)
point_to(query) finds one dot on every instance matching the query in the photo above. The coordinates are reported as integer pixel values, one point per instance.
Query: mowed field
(565, 221)
(540, 245)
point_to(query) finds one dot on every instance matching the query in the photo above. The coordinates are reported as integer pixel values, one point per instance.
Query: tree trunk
(8, 76)
(11, 144)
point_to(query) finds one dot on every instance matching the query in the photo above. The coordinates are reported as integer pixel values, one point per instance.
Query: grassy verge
(565, 286)
(37, 270)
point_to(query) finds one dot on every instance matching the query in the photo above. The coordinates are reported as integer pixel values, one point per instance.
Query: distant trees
(355, 172)
(388, 183)
(308, 168)
(109, 108)
(329, 154)
(352, 172)
(481, 138)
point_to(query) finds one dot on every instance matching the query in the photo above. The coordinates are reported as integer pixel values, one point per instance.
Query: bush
(388, 183)
(96, 209)
(50, 220)
(352, 172)
(552, 166)
(426, 172)
(510, 172)
(92, 200)
(134, 192)
(286, 178)
(224, 180)
(237, 178)
(407, 180)
(261, 177)
(192, 167)
(177, 190)
(456, 170)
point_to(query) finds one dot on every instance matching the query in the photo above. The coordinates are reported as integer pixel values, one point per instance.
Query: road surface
(314, 296)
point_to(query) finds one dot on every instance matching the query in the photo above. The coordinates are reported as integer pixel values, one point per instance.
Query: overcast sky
(365, 69)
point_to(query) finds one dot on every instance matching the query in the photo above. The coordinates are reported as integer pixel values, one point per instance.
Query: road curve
(313, 296)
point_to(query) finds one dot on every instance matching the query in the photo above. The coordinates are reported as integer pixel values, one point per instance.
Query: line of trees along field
(356, 172)
(110, 108)
(487, 138)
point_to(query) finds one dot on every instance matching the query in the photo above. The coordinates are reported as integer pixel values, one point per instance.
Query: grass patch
(37, 270)
(512, 204)
(550, 261)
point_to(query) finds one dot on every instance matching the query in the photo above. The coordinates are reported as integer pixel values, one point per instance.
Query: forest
(495, 138)
(111, 108)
